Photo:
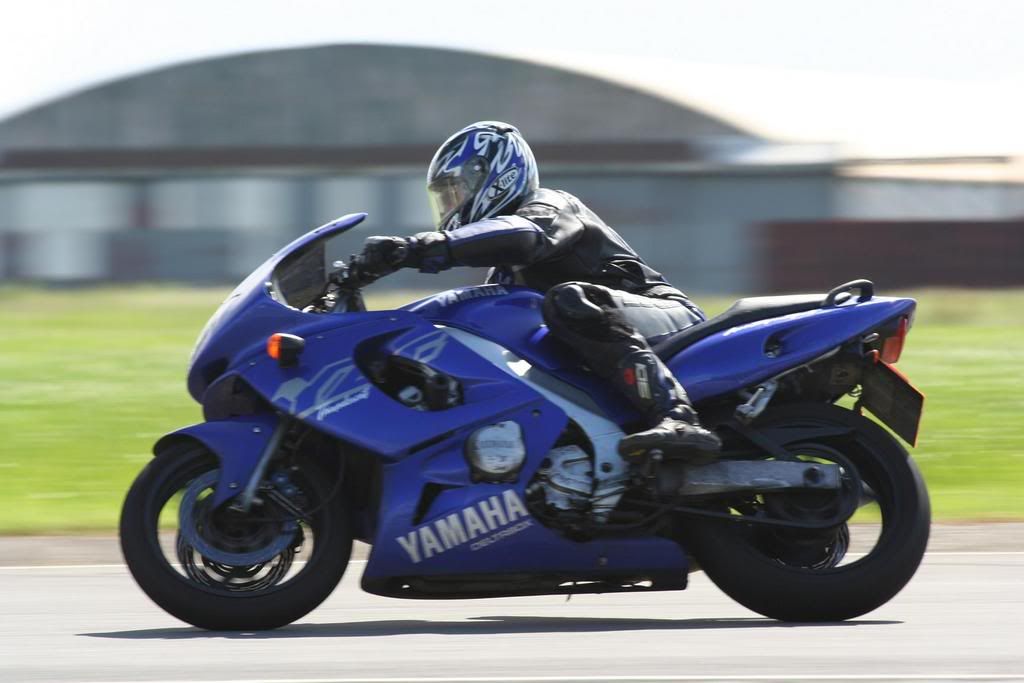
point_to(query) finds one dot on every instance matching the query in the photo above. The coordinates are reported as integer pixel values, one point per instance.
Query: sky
(52, 47)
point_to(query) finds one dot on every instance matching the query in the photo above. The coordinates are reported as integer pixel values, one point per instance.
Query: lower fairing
(472, 586)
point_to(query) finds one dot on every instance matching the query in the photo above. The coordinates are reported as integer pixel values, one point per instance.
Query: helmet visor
(447, 195)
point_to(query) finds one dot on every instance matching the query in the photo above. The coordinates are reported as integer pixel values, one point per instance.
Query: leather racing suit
(600, 298)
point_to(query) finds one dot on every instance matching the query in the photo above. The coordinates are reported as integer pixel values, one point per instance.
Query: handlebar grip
(358, 275)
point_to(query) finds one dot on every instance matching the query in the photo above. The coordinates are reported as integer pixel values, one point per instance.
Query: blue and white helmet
(485, 168)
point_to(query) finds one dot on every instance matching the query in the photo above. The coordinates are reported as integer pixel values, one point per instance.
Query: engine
(415, 384)
(575, 487)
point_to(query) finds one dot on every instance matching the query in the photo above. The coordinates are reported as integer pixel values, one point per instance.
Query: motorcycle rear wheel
(210, 593)
(746, 562)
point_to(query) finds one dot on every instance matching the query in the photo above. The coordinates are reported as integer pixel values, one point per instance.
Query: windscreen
(300, 278)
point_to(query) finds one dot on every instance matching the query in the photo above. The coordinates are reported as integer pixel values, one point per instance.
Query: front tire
(748, 563)
(218, 596)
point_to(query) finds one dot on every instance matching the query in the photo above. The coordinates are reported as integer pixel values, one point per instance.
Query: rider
(601, 298)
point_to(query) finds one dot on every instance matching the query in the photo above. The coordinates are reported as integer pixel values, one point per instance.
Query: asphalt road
(959, 619)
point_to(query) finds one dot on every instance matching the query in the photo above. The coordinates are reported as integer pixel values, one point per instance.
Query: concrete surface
(959, 619)
(47, 550)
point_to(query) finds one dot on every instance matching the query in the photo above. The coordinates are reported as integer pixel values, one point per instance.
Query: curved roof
(352, 96)
(869, 116)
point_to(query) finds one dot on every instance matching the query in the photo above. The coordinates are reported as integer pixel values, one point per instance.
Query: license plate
(890, 397)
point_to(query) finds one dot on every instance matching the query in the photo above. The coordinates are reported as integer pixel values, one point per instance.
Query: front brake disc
(191, 515)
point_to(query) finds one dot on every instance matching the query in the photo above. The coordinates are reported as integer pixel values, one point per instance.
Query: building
(198, 171)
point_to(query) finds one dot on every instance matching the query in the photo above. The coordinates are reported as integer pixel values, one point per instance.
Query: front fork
(243, 501)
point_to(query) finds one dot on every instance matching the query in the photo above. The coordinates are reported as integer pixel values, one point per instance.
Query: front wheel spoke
(230, 572)
(229, 552)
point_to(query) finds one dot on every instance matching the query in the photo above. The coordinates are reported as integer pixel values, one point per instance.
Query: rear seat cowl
(740, 313)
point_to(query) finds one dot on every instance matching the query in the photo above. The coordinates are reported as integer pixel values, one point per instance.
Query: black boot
(675, 430)
(678, 436)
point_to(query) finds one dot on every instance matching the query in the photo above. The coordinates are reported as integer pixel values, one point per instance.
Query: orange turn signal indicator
(285, 348)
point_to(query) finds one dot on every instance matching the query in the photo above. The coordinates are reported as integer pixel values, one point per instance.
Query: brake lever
(353, 274)
(346, 274)
(358, 276)
(349, 279)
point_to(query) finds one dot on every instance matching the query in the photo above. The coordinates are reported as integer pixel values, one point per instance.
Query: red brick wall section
(816, 255)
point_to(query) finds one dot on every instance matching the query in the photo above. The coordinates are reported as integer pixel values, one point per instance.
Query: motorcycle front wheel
(825, 575)
(220, 569)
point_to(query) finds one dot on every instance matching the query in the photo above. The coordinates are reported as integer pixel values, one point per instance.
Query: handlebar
(348, 280)
(352, 275)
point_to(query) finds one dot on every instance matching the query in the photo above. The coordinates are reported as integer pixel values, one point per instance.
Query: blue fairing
(509, 539)
(722, 363)
(462, 526)
(249, 313)
(745, 355)
(511, 316)
(329, 390)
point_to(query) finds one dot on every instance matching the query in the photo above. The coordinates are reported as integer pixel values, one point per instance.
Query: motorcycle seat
(740, 313)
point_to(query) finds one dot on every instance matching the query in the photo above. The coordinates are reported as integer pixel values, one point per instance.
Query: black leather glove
(427, 251)
(384, 255)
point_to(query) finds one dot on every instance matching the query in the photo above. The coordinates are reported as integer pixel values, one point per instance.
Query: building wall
(910, 199)
(818, 255)
(695, 228)
(58, 227)
(704, 231)
(80, 202)
(216, 228)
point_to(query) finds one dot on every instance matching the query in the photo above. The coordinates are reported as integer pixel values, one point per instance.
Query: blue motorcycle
(477, 456)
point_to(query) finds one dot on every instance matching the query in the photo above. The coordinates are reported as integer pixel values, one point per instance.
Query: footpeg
(758, 401)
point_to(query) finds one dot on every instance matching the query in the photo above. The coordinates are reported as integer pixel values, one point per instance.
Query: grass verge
(89, 379)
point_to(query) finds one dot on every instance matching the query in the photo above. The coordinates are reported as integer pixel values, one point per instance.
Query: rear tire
(734, 557)
(277, 601)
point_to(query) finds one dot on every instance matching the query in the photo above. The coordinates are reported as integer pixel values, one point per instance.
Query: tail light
(892, 346)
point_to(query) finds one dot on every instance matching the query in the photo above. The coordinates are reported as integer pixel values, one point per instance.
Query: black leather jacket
(550, 239)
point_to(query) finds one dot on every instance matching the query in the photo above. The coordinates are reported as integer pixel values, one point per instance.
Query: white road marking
(102, 566)
(957, 553)
(939, 553)
(617, 679)
(63, 566)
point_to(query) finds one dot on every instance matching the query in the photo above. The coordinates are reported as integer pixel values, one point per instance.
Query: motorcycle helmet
(483, 169)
